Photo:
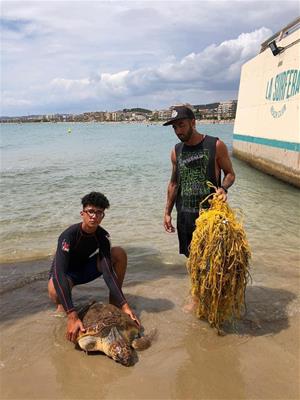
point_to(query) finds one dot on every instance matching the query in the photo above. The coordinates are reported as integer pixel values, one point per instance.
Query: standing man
(83, 254)
(197, 159)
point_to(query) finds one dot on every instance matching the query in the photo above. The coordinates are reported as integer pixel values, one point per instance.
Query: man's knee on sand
(53, 296)
(52, 292)
(118, 255)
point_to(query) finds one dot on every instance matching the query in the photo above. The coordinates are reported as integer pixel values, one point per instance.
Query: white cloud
(211, 68)
(70, 84)
(15, 102)
(64, 56)
(114, 83)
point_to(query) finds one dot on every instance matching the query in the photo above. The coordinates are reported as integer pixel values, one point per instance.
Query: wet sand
(258, 359)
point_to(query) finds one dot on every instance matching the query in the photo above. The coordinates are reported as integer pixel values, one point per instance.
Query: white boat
(267, 124)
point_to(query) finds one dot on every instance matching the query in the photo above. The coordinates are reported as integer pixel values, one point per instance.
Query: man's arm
(60, 280)
(63, 289)
(171, 195)
(111, 280)
(224, 164)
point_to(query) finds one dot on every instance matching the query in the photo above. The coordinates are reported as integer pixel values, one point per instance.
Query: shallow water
(45, 172)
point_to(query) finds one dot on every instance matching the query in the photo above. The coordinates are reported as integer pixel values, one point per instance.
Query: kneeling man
(83, 254)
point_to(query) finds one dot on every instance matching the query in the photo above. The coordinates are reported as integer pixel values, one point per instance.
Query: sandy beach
(258, 359)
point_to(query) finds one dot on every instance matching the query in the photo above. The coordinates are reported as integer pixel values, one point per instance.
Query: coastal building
(227, 109)
(267, 125)
(138, 117)
(163, 115)
(207, 113)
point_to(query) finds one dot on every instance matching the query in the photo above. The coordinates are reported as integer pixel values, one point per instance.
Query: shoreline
(6, 262)
(149, 123)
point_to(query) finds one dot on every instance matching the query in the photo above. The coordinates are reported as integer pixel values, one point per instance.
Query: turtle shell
(101, 318)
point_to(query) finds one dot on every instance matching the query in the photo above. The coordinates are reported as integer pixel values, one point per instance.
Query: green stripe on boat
(268, 142)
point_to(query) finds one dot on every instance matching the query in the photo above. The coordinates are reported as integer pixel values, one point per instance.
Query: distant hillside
(137, 110)
(206, 106)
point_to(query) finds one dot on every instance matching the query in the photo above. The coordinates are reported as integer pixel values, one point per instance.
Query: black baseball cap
(180, 112)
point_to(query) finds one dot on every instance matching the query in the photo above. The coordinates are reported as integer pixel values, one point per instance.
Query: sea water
(46, 168)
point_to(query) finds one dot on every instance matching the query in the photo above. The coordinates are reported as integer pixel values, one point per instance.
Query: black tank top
(195, 166)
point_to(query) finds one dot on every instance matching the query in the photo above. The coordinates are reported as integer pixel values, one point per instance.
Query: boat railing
(287, 30)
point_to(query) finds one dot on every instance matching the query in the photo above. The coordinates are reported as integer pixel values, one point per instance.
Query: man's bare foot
(59, 309)
(59, 312)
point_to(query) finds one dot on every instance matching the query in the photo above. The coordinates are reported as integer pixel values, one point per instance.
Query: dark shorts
(185, 228)
(88, 272)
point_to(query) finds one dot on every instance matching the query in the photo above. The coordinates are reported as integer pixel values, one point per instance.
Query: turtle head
(118, 348)
(121, 352)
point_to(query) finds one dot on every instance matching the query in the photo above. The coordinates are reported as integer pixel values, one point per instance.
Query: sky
(79, 56)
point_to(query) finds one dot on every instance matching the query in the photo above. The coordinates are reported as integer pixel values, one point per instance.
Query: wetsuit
(195, 165)
(83, 257)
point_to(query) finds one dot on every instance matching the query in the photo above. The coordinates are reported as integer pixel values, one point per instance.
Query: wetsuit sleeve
(60, 280)
(110, 279)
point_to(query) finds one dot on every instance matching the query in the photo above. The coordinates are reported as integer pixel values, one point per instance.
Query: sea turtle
(111, 331)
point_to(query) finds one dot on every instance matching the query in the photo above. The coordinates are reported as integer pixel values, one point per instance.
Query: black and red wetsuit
(76, 259)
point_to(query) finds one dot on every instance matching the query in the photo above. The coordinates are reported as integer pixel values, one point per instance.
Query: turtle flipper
(144, 342)
(89, 343)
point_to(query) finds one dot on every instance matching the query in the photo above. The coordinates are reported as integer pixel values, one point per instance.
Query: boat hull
(267, 124)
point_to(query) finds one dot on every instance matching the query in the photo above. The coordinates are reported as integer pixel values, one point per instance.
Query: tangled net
(218, 263)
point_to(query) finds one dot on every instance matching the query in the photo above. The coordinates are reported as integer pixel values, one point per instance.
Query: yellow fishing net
(219, 263)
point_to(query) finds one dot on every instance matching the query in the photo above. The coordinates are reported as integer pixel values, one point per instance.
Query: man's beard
(187, 137)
